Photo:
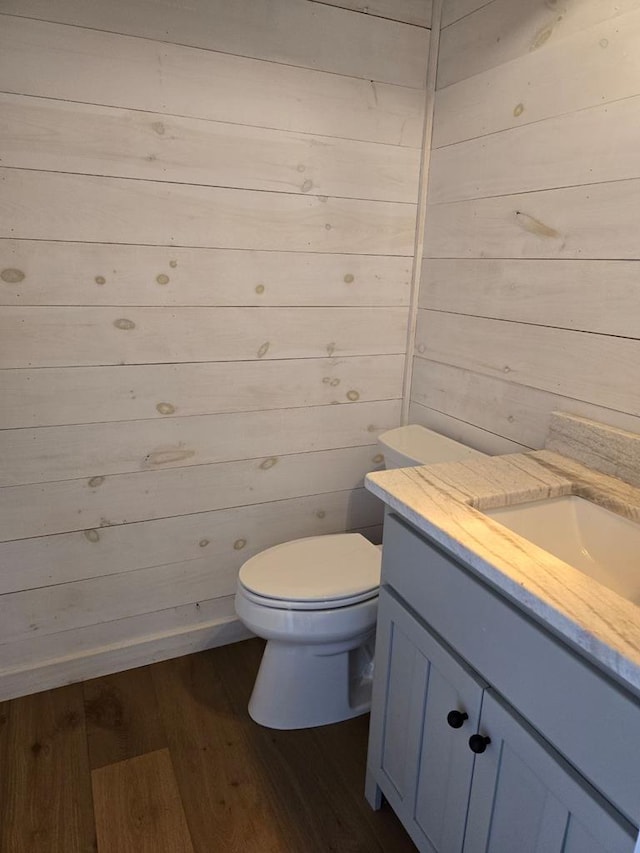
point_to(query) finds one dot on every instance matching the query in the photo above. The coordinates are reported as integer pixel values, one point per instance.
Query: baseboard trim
(57, 672)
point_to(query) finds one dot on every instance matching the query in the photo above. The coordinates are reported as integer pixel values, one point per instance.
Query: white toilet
(315, 601)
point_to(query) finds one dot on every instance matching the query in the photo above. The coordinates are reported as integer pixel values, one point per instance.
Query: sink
(594, 540)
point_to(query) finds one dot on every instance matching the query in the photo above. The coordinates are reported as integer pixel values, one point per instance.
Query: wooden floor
(166, 758)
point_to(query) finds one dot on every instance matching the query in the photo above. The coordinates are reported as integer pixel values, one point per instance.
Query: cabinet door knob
(456, 719)
(478, 743)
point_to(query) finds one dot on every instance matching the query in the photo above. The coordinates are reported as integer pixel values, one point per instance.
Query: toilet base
(302, 686)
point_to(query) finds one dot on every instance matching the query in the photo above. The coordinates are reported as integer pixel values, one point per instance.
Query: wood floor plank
(45, 783)
(292, 801)
(345, 749)
(209, 778)
(138, 807)
(229, 803)
(317, 774)
(122, 716)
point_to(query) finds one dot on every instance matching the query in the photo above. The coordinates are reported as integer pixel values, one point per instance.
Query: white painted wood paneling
(416, 12)
(81, 642)
(517, 412)
(453, 10)
(53, 206)
(81, 603)
(40, 272)
(595, 221)
(207, 224)
(226, 536)
(133, 392)
(577, 148)
(39, 133)
(40, 510)
(53, 337)
(508, 29)
(126, 651)
(591, 296)
(529, 294)
(469, 434)
(85, 450)
(597, 65)
(68, 63)
(595, 368)
(284, 31)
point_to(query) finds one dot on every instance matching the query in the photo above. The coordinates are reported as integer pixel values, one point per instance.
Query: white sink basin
(594, 540)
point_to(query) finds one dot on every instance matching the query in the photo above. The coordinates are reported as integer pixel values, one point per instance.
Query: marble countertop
(445, 502)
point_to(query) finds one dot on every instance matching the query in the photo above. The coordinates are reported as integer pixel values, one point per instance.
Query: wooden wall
(207, 216)
(530, 291)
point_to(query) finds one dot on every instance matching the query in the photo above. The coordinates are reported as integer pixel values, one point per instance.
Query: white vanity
(506, 706)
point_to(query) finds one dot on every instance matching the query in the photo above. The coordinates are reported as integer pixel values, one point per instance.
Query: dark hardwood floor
(165, 759)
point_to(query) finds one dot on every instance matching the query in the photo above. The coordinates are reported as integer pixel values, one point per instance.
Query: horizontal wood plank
(54, 206)
(58, 136)
(40, 272)
(594, 368)
(138, 807)
(72, 64)
(416, 12)
(591, 296)
(372, 49)
(44, 454)
(516, 412)
(76, 648)
(38, 675)
(468, 433)
(577, 148)
(596, 65)
(118, 596)
(226, 536)
(132, 392)
(453, 10)
(39, 510)
(596, 222)
(56, 337)
(504, 30)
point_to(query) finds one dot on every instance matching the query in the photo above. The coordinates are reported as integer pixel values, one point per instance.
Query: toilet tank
(411, 445)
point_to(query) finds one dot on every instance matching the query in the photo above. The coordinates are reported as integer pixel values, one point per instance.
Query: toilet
(315, 601)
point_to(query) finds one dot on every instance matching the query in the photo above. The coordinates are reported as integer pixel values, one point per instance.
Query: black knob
(456, 719)
(478, 743)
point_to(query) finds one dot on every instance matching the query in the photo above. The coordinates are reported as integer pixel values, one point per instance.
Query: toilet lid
(342, 569)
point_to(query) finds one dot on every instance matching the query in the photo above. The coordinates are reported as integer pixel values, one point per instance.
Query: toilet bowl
(315, 602)
(318, 620)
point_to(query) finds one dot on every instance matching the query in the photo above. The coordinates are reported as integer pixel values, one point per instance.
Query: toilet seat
(316, 604)
(315, 573)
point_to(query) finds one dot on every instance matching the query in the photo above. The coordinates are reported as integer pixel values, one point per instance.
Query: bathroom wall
(530, 293)
(207, 218)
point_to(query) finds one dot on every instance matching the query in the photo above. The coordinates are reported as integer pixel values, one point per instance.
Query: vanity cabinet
(432, 708)
(525, 798)
(426, 764)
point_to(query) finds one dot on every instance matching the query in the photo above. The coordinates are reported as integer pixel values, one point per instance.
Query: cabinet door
(421, 763)
(526, 798)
